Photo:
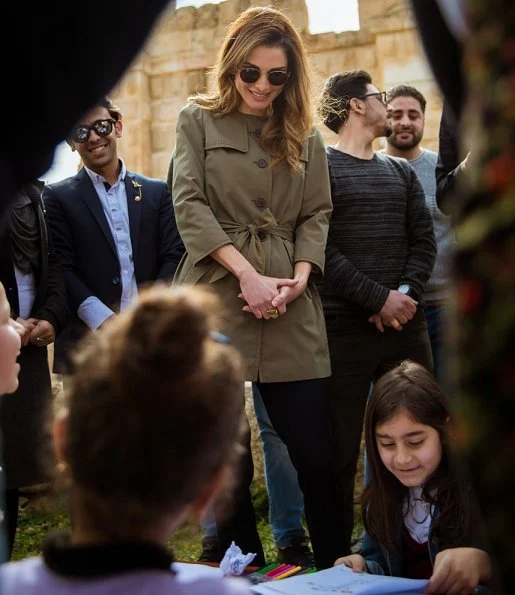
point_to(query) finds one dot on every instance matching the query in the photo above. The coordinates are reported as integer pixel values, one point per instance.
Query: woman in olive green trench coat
(242, 214)
(273, 218)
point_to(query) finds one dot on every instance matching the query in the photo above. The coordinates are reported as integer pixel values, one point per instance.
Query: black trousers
(299, 413)
(360, 355)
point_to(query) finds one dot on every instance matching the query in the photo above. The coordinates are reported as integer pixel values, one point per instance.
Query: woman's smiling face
(256, 97)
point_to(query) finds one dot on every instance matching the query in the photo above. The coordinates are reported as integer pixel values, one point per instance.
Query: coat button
(116, 280)
(260, 203)
(261, 163)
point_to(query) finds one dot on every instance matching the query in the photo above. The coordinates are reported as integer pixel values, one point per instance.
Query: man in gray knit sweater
(380, 253)
(408, 107)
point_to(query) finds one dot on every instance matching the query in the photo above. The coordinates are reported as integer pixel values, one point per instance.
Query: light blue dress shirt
(92, 311)
(26, 283)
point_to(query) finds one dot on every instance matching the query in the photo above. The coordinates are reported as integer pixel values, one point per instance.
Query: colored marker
(278, 570)
(306, 570)
(266, 569)
(287, 573)
(274, 567)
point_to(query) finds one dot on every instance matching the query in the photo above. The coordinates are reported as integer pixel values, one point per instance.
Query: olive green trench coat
(225, 192)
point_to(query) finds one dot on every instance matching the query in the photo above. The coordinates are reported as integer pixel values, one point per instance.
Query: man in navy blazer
(114, 230)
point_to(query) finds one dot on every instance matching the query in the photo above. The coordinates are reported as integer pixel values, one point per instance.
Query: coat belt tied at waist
(249, 233)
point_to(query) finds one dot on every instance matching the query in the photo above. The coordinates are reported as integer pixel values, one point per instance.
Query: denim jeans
(367, 474)
(434, 327)
(286, 502)
(208, 523)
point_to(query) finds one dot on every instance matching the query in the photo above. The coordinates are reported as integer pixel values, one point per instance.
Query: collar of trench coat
(233, 133)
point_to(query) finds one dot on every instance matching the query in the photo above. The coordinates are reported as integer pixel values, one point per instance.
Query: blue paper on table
(342, 580)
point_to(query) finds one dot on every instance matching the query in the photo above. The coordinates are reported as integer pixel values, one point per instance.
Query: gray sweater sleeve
(421, 237)
(344, 279)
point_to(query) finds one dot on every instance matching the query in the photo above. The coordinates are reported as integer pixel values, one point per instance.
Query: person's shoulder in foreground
(33, 576)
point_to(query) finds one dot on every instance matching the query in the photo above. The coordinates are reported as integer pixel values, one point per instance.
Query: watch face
(404, 288)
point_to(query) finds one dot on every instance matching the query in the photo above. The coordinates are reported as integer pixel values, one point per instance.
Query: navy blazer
(86, 248)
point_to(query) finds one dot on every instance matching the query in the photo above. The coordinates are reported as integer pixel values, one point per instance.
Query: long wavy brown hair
(291, 118)
(411, 387)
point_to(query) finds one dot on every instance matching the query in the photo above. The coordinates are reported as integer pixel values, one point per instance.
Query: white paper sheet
(341, 580)
(191, 572)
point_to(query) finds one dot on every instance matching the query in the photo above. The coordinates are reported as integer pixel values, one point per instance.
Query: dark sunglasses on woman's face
(251, 74)
(80, 134)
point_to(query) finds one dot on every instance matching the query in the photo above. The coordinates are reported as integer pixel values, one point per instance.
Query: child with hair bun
(149, 437)
(418, 510)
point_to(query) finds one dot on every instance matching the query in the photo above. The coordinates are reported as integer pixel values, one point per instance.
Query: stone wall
(183, 46)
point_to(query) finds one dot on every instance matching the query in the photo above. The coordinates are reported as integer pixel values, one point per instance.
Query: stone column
(133, 98)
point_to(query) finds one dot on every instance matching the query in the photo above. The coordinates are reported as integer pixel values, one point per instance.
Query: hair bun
(166, 332)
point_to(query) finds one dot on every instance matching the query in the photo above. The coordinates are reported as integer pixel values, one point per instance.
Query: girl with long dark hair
(418, 509)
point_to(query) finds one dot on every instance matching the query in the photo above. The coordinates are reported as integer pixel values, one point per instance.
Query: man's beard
(403, 145)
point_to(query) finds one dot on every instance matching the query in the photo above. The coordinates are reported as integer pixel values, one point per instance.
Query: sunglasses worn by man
(80, 134)
(251, 74)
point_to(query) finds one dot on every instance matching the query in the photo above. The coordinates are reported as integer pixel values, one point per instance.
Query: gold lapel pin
(137, 185)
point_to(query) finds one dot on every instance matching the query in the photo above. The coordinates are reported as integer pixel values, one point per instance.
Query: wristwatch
(408, 290)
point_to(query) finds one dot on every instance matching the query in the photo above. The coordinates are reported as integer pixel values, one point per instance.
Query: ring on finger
(272, 312)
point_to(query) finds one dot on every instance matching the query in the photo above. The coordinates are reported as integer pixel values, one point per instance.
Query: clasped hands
(36, 331)
(398, 309)
(262, 293)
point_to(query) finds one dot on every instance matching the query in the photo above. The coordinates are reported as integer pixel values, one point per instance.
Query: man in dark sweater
(380, 253)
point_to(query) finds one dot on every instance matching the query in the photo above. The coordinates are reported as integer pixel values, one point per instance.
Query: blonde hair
(291, 119)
